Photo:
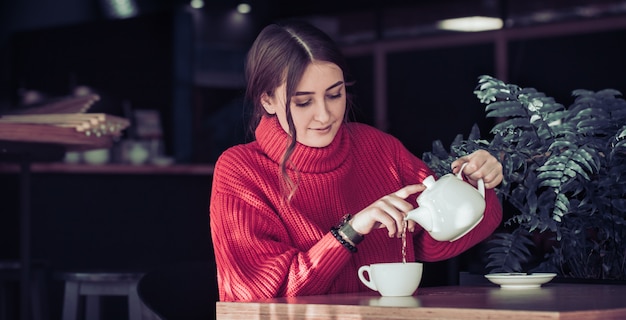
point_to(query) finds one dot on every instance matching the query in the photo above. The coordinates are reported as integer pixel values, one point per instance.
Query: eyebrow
(302, 93)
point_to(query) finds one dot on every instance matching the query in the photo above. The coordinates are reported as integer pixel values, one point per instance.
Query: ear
(267, 103)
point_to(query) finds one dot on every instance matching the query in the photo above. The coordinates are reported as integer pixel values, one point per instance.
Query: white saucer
(520, 280)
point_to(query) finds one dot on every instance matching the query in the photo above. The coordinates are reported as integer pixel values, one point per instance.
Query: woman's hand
(480, 165)
(387, 212)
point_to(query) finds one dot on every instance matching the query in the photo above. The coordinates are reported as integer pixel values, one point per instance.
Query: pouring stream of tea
(404, 229)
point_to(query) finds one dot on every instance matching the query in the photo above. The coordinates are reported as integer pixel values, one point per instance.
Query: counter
(552, 301)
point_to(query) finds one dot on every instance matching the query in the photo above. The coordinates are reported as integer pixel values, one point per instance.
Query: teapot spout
(422, 216)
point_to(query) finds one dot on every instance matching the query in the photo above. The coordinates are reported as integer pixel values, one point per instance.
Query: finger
(480, 164)
(489, 170)
(410, 225)
(409, 190)
(473, 163)
(388, 222)
(456, 164)
(395, 209)
(493, 179)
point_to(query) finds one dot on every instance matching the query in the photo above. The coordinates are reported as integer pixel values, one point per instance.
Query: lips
(326, 128)
(323, 129)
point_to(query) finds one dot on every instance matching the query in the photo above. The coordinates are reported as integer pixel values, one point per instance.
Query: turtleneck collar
(273, 140)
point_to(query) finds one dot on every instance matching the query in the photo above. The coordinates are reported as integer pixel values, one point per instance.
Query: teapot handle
(481, 183)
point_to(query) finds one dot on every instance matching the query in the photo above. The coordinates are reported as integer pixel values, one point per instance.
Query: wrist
(345, 230)
(346, 235)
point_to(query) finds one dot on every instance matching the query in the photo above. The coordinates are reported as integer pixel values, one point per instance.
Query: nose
(322, 114)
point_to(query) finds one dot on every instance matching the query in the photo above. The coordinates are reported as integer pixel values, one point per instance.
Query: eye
(334, 96)
(302, 104)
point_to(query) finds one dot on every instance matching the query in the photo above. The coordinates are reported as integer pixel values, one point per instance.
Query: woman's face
(317, 106)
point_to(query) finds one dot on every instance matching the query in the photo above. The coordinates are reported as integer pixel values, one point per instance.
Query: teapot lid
(429, 181)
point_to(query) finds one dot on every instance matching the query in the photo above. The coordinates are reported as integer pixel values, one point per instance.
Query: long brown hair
(281, 53)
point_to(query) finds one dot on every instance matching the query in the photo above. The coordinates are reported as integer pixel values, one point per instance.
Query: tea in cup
(396, 279)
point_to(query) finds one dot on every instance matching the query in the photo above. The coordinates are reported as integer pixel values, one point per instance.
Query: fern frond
(508, 251)
(491, 89)
(503, 109)
(618, 143)
(561, 207)
(511, 125)
(567, 162)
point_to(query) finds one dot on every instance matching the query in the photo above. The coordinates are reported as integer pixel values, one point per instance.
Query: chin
(317, 145)
(318, 142)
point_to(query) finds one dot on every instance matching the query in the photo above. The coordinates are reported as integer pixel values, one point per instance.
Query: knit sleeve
(254, 251)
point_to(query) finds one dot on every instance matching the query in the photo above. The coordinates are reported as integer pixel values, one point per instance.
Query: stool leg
(37, 301)
(3, 303)
(93, 307)
(70, 301)
(39, 297)
(134, 304)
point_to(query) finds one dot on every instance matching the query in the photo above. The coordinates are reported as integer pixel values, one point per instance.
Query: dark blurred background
(187, 62)
(184, 59)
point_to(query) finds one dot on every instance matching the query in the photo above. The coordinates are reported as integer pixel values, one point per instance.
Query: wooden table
(552, 301)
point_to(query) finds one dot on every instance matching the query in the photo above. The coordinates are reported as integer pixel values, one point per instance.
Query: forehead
(320, 74)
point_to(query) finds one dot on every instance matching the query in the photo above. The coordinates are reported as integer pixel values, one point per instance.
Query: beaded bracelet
(346, 244)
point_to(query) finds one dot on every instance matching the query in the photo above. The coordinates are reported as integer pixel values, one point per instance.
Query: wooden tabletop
(552, 301)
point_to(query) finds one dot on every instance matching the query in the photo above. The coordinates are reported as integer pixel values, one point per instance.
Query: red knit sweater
(266, 248)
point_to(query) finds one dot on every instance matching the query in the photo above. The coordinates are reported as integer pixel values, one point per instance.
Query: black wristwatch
(348, 231)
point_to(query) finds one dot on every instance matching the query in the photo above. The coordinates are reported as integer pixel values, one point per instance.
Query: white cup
(397, 279)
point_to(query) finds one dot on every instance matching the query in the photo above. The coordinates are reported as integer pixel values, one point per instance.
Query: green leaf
(561, 205)
(505, 109)
(581, 92)
(591, 126)
(511, 124)
(439, 150)
(609, 92)
(474, 133)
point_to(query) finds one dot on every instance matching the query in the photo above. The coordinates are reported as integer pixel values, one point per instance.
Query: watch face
(350, 233)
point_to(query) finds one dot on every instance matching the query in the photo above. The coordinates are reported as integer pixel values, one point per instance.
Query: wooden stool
(94, 285)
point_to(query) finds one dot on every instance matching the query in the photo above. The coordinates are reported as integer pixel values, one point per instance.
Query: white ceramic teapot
(449, 207)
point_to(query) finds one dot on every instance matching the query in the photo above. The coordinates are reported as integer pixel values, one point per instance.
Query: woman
(314, 197)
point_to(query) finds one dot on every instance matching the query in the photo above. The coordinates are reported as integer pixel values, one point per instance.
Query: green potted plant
(564, 187)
